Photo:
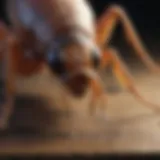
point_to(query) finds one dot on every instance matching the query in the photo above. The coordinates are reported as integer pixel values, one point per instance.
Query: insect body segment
(64, 35)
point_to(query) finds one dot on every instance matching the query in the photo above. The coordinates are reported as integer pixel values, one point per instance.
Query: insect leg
(107, 23)
(133, 38)
(125, 78)
(98, 95)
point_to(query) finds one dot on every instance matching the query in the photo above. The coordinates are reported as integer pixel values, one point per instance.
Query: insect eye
(96, 58)
(55, 62)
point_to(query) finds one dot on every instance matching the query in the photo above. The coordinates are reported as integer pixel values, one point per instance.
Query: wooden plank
(126, 126)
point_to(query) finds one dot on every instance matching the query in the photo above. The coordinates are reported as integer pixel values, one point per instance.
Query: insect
(65, 35)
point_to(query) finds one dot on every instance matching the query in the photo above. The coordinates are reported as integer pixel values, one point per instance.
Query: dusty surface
(125, 126)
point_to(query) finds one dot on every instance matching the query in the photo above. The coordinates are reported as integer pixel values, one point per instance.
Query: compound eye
(55, 62)
(96, 57)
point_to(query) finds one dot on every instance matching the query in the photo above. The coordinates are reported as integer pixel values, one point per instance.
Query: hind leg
(106, 24)
(125, 78)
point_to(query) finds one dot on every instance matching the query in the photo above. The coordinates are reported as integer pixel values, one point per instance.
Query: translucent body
(46, 18)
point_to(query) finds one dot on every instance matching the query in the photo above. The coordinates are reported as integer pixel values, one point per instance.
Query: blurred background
(145, 16)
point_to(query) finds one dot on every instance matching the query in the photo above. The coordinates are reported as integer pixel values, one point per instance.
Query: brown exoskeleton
(65, 35)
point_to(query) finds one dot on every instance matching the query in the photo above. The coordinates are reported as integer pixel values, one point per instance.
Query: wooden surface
(125, 126)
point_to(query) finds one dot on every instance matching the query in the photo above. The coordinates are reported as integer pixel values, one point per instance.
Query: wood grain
(125, 126)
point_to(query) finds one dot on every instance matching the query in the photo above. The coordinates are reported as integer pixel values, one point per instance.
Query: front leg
(99, 96)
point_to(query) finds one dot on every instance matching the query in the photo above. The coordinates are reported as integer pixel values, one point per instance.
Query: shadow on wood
(32, 117)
